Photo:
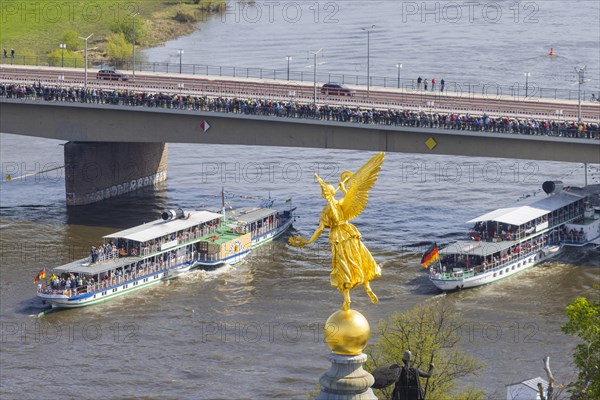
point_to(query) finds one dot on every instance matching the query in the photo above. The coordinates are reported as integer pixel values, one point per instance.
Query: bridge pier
(96, 171)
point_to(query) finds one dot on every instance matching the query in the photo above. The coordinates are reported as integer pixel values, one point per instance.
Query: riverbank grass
(36, 28)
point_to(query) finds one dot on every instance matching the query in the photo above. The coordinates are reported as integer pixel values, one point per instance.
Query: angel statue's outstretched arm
(299, 241)
(344, 177)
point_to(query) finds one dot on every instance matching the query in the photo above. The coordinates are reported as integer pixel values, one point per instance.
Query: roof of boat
(251, 214)
(523, 214)
(159, 227)
(471, 247)
(84, 266)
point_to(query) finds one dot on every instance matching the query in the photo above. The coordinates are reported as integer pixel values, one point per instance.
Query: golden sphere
(347, 332)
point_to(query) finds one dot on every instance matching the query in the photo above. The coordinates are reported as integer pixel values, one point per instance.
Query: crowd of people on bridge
(295, 109)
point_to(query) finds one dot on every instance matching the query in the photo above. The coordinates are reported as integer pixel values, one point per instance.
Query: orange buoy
(551, 52)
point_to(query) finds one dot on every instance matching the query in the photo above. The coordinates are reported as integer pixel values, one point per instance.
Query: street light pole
(133, 55)
(580, 80)
(180, 51)
(399, 66)
(288, 58)
(86, 63)
(527, 74)
(63, 46)
(368, 58)
(315, 76)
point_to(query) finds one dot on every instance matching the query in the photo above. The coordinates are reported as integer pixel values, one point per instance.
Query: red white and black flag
(430, 256)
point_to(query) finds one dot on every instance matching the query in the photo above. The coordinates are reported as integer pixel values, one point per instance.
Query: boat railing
(521, 234)
(496, 265)
(574, 238)
(186, 237)
(207, 257)
(266, 228)
(103, 257)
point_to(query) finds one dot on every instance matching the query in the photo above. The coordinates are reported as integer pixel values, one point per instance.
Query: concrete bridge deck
(85, 122)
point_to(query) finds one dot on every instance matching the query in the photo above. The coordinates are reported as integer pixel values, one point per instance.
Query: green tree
(118, 49)
(125, 26)
(584, 322)
(426, 329)
(72, 40)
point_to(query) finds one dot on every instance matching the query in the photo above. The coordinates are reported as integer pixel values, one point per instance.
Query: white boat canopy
(522, 215)
(159, 228)
(249, 215)
(477, 248)
(492, 215)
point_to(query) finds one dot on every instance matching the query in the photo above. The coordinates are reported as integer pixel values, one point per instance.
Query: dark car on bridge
(112, 75)
(337, 89)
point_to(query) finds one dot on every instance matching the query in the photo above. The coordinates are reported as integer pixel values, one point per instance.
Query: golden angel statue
(352, 263)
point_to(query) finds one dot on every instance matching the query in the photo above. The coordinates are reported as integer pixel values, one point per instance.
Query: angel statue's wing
(358, 186)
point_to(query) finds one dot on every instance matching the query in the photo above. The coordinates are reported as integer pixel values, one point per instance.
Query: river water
(463, 42)
(254, 330)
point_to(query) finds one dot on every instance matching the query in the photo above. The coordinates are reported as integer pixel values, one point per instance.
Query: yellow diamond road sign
(430, 143)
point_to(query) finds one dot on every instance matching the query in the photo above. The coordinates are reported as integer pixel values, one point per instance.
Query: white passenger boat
(507, 241)
(145, 255)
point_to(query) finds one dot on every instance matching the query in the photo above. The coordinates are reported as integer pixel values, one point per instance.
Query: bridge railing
(278, 92)
(489, 89)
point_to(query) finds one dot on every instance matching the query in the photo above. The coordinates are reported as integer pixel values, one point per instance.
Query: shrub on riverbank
(118, 49)
(71, 59)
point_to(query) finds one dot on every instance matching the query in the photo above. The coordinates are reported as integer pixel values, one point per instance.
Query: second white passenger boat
(507, 241)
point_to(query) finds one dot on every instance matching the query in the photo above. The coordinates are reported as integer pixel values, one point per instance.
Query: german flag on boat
(40, 275)
(431, 255)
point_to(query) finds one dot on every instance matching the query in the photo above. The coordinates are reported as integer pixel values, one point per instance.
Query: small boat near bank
(163, 249)
(507, 241)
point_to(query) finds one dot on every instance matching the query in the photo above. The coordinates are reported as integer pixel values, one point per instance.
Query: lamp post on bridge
(180, 52)
(315, 76)
(527, 74)
(288, 58)
(86, 62)
(63, 46)
(133, 43)
(580, 80)
(430, 104)
(399, 66)
(368, 30)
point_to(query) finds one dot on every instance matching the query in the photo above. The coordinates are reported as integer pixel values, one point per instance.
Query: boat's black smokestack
(173, 214)
(552, 187)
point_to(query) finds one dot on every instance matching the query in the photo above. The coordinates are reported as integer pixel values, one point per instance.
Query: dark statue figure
(406, 378)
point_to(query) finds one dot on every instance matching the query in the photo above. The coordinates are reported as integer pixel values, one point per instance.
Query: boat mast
(223, 201)
(585, 172)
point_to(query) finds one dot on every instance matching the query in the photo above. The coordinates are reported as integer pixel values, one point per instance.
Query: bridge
(114, 149)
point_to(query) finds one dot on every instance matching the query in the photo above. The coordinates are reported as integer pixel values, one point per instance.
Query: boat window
(513, 268)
